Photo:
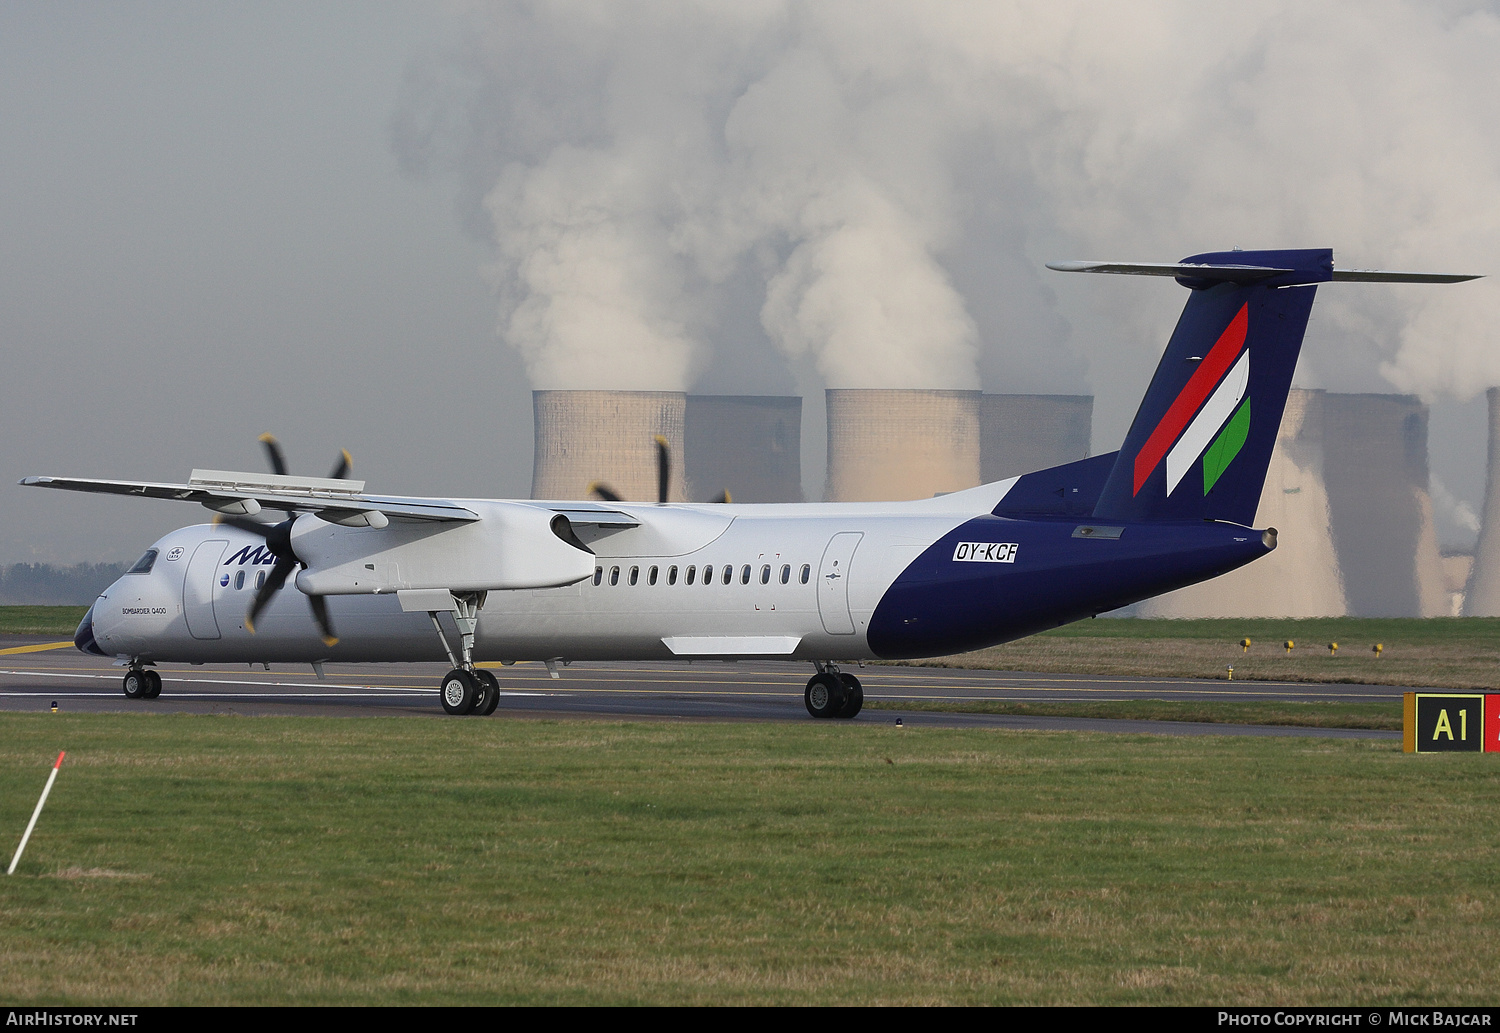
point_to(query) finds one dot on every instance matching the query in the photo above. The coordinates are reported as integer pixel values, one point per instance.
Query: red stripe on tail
(1208, 374)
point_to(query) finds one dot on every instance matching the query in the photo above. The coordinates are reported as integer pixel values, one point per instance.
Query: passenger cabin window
(144, 564)
(598, 576)
(651, 577)
(239, 580)
(708, 574)
(635, 575)
(765, 574)
(614, 576)
(806, 572)
(672, 574)
(260, 580)
(745, 574)
(690, 572)
(786, 573)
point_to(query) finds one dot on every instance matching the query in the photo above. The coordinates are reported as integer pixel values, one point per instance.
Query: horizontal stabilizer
(1384, 276)
(1298, 271)
(1230, 273)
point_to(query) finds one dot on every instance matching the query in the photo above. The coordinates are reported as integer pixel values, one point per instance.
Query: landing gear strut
(141, 683)
(465, 689)
(832, 693)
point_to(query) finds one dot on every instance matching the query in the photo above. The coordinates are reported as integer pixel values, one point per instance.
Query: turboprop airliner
(398, 579)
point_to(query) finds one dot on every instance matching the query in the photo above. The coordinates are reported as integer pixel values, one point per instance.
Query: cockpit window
(144, 564)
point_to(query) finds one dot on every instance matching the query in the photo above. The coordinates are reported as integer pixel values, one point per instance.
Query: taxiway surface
(33, 679)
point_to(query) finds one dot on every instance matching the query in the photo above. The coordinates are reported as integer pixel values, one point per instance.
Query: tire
(854, 696)
(460, 691)
(136, 684)
(824, 696)
(489, 694)
(154, 689)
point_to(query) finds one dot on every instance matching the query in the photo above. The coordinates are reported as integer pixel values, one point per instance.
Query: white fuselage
(787, 581)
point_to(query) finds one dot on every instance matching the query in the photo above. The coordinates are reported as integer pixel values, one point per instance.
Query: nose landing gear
(832, 693)
(141, 683)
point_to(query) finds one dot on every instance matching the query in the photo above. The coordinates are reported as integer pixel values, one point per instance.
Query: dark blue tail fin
(1202, 439)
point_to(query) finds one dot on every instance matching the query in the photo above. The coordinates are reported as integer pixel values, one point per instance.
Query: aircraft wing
(246, 494)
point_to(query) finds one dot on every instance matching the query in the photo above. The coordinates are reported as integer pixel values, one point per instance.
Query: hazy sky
(377, 226)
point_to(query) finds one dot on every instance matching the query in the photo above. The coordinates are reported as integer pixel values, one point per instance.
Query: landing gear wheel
(460, 691)
(854, 695)
(824, 696)
(154, 688)
(135, 683)
(489, 694)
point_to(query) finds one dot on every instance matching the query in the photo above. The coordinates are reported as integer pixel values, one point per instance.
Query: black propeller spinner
(279, 541)
(663, 478)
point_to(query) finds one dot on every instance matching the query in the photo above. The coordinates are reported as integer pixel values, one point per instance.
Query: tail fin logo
(1216, 430)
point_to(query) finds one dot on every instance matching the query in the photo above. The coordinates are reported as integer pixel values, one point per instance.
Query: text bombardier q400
(415, 579)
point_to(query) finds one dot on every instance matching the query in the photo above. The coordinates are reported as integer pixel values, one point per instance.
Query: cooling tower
(897, 444)
(750, 445)
(1458, 568)
(608, 436)
(1301, 578)
(1483, 596)
(1022, 433)
(1375, 449)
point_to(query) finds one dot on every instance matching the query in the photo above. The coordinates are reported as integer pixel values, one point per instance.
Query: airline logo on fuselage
(985, 552)
(258, 554)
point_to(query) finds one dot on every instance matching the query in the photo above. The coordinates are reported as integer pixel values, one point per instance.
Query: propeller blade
(663, 469)
(722, 497)
(604, 492)
(342, 468)
(320, 614)
(278, 536)
(273, 453)
(263, 595)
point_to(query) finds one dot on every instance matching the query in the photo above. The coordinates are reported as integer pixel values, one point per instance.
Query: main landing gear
(470, 692)
(466, 689)
(141, 683)
(832, 693)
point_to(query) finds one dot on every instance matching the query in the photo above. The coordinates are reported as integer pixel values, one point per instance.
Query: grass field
(40, 620)
(267, 860)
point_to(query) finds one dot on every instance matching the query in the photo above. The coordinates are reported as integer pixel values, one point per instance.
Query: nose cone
(83, 638)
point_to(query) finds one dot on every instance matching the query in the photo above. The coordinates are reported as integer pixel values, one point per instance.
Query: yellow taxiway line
(37, 648)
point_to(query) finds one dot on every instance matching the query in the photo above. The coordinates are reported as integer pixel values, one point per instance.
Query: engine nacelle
(510, 546)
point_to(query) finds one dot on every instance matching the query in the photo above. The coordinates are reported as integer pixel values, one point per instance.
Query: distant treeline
(42, 584)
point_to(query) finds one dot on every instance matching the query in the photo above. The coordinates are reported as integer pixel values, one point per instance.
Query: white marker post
(36, 813)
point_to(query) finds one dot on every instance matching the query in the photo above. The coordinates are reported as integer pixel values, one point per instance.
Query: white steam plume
(635, 160)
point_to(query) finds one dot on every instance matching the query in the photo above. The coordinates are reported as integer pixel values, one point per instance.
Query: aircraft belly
(531, 626)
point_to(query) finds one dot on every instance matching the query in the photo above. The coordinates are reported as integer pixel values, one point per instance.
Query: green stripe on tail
(1226, 446)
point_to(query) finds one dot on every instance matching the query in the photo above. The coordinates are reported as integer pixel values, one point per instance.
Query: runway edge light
(1450, 722)
(26, 836)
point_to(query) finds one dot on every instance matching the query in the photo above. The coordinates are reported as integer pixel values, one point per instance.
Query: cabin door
(198, 588)
(833, 583)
